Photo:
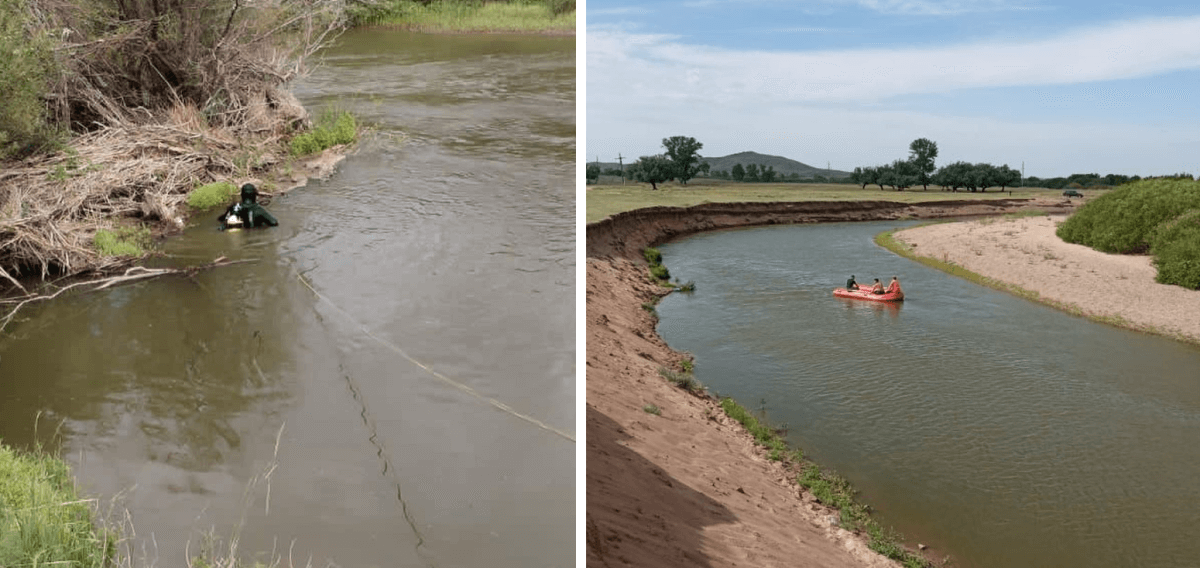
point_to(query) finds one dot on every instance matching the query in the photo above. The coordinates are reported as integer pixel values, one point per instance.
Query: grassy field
(468, 16)
(606, 200)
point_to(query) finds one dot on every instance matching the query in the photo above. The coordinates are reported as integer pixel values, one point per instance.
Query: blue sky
(1063, 87)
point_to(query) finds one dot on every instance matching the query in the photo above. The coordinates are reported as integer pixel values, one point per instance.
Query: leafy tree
(654, 170)
(870, 175)
(886, 175)
(922, 153)
(682, 151)
(613, 172)
(592, 173)
(738, 172)
(704, 168)
(983, 176)
(954, 176)
(768, 174)
(905, 174)
(1006, 176)
(857, 177)
(752, 172)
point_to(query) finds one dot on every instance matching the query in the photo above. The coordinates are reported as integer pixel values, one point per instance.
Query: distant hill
(783, 166)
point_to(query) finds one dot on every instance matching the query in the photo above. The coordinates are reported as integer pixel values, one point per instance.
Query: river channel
(998, 431)
(443, 253)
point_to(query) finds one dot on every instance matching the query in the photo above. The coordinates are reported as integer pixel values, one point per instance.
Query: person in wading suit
(246, 213)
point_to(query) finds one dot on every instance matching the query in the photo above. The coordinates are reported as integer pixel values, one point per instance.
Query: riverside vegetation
(1159, 216)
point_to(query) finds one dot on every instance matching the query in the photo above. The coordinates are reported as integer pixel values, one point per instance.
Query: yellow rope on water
(435, 374)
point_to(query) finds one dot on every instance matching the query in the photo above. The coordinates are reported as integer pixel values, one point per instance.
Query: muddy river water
(998, 431)
(440, 255)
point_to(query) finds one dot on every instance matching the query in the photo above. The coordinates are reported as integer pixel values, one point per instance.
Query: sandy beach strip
(1025, 252)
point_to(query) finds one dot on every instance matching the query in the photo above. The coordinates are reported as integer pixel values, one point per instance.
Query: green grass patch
(124, 241)
(334, 127)
(470, 16)
(607, 200)
(43, 521)
(686, 381)
(211, 195)
(652, 409)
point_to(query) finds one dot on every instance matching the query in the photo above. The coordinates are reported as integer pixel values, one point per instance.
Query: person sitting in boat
(894, 286)
(877, 288)
(851, 284)
(247, 213)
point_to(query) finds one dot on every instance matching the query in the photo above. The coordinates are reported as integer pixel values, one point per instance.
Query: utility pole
(621, 161)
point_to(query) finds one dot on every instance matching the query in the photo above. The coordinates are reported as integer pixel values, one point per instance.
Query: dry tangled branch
(14, 305)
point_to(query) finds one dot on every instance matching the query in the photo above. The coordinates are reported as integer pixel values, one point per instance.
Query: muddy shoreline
(688, 486)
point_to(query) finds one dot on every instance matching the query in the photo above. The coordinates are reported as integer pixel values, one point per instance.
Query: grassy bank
(516, 16)
(43, 521)
(888, 240)
(606, 200)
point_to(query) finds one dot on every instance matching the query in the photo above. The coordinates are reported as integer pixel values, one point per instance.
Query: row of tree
(682, 162)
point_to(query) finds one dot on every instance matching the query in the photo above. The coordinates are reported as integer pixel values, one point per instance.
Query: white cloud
(656, 65)
(621, 11)
(940, 7)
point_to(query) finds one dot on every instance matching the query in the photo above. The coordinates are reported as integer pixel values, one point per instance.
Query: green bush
(1176, 249)
(26, 67)
(211, 195)
(1122, 220)
(660, 272)
(653, 256)
(125, 241)
(331, 129)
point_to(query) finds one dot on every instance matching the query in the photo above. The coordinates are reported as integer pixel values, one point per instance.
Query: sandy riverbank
(689, 487)
(1026, 253)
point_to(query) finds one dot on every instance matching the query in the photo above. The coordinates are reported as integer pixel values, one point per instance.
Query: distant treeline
(919, 169)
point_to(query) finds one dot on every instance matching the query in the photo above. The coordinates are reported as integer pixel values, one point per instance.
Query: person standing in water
(247, 213)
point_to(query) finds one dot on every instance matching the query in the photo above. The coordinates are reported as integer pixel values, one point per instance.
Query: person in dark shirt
(247, 213)
(851, 284)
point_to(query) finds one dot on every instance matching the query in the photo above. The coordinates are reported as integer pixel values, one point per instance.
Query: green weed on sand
(828, 488)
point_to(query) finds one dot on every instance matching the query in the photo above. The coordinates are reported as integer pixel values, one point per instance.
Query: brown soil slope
(689, 487)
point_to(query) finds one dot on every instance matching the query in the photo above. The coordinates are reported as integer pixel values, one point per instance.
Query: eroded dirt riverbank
(689, 487)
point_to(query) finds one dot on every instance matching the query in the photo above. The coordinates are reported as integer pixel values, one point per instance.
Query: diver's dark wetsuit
(248, 211)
